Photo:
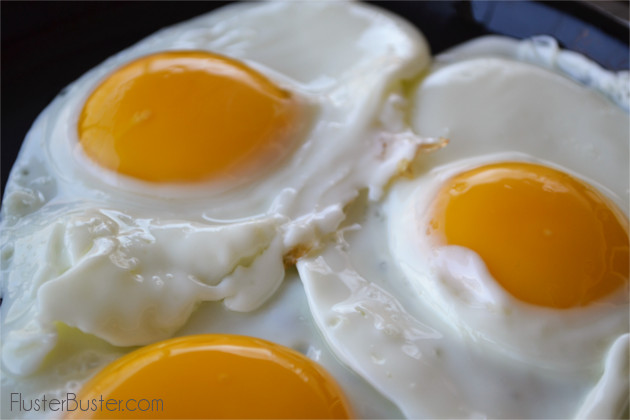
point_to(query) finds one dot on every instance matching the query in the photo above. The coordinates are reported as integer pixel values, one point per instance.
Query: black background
(47, 45)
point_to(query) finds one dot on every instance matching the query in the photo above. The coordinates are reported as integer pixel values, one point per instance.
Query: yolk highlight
(185, 116)
(549, 239)
(212, 376)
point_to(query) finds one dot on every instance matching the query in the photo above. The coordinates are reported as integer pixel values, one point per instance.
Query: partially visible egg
(494, 281)
(215, 374)
(194, 165)
(284, 319)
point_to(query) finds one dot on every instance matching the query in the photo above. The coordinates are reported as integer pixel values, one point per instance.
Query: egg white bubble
(429, 327)
(129, 261)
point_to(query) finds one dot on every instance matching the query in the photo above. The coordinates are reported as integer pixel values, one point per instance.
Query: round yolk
(211, 376)
(185, 116)
(546, 237)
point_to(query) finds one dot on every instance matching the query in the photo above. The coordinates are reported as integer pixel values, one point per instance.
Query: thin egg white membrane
(129, 261)
(437, 335)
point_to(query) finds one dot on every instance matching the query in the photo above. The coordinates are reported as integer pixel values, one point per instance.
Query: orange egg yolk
(211, 376)
(548, 238)
(185, 116)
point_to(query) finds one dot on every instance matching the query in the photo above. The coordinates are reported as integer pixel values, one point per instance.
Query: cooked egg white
(429, 323)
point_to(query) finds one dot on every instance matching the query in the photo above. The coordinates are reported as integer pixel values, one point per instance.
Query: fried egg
(120, 215)
(493, 282)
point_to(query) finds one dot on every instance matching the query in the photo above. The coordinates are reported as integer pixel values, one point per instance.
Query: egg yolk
(211, 376)
(185, 116)
(548, 238)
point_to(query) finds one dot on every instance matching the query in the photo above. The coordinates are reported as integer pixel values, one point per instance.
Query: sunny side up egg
(120, 219)
(493, 283)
